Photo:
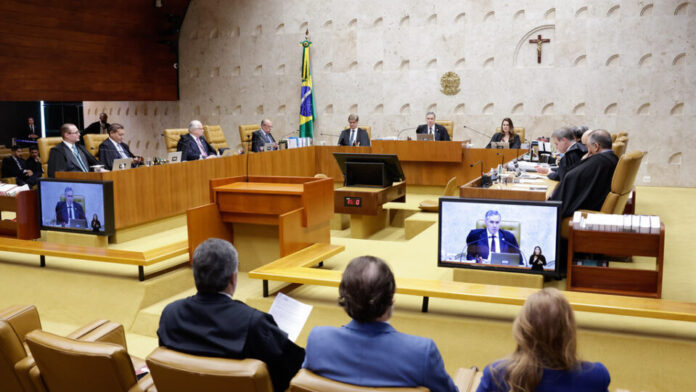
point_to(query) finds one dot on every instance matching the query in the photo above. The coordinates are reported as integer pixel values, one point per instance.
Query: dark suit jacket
(258, 140)
(36, 167)
(477, 244)
(570, 159)
(215, 325)
(189, 148)
(362, 138)
(108, 152)
(440, 131)
(498, 137)
(62, 159)
(11, 169)
(62, 214)
(95, 128)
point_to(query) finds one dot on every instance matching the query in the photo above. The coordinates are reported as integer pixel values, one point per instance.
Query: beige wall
(621, 65)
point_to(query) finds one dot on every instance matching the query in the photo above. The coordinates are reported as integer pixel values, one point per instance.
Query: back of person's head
(602, 138)
(546, 338)
(367, 289)
(214, 263)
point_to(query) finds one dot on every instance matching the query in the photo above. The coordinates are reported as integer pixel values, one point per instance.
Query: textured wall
(142, 121)
(619, 65)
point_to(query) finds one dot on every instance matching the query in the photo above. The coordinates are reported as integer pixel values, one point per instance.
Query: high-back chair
(306, 381)
(215, 137)
(71, 365)
(618, 148)
(622, 139)
(520, 131)
(45, 146)
(173, 371)
(93, 140)
(245, 135)
(449, 126)
(172, 136)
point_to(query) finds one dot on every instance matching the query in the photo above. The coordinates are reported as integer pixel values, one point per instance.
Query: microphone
(401, 131)
(486, 180)
(479, 132)
(466, 250)
(502, 158)
(289, 133)
(328, 134)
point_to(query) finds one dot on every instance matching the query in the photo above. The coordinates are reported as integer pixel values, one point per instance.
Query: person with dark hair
(69, 155)
(213, 324)
(368, 351)
(588, 184)
(96, 225)
(507, 134)
(101, 126)
(33, 132)
(34, 162)
(481, 244)
(438, 131)
(537, 260)
(546, 356)
(564, 140)
(114, 147)
(263, 136)
(14, 166)
(353, 136)
(68, 211)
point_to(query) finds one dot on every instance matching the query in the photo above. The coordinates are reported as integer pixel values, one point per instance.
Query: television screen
(509, 235)
(77, 206)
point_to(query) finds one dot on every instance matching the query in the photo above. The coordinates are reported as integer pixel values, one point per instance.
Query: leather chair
(512, 226)
(618, 148)
(520, 131)
(72, 365)
(449, 126)
(622, 183)
(173, 371)
(214, 135)
(245, 135)
(306, 381)
(433, 205)
(45, 146)
(367, 128)
(172, 136)
(92, 142)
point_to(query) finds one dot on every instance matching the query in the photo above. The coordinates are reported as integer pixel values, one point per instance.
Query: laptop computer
(505, 259)
(174, 157)
(121, 164)
(500, 145)
(425, 136)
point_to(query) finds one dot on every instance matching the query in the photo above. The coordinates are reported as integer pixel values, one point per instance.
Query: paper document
(290, 315)
(531, 181)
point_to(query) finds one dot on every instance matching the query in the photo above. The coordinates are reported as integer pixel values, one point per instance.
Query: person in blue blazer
(368, 351)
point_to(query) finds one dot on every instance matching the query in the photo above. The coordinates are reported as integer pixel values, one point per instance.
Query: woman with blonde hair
(546, 357)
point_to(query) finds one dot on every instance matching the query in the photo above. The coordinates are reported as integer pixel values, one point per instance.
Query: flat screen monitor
(77, 206)
(367, 165)
(499, 235)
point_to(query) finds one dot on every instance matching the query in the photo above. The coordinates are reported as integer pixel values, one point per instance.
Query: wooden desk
(369, 217)
(26, 223)
(266, 217)
(473, 190)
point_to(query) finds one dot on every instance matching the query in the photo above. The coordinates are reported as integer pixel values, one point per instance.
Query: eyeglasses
(72, 133)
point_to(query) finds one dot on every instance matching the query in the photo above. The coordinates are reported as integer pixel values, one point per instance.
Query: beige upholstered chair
(172, 136)
(306, 381)
(622, 139)
(245, 135)
(214, 135)
(173, 371)
(45, 146)
(72, 365)
(367, 129)
(519, 131)
(619, 148)
(449, 126)
(433, 205)
(92, 142)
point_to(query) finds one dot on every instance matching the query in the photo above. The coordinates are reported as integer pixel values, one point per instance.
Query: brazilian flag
(306, 95)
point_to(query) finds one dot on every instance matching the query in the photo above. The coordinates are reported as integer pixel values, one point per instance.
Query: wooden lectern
(264, 217)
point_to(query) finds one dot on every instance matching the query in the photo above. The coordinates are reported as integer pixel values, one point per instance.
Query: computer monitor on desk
(370, 170)
(500, 145)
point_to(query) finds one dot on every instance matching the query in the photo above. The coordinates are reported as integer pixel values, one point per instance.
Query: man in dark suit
(439, 132)
(114, 147)
(68, 210)
(33, 132)
(564, 140)
(213, 324)
(101, 126)
(69, 155)
(482, 243)
(15, 166)
(34, 162)
(263, 136)
(353, 136)
(193, 146)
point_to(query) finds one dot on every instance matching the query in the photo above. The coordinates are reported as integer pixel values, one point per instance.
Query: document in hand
(290, 315)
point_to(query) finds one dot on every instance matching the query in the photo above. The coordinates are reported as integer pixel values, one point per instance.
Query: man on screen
(67, 210)
(481, 244)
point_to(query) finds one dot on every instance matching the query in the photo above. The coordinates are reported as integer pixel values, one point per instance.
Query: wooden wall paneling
(290, 162)
(294, 236)
(317, 199)
(420, 151)
(205, 222)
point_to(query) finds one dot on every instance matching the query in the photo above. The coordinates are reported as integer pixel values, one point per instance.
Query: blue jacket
(376, 355)
(589, 377)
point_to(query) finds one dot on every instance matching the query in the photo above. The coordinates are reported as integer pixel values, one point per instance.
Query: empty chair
(215, 136)
(172, 136)
(246, 133)
(432, 205)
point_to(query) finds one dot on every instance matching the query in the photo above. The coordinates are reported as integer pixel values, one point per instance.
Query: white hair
(194, 124)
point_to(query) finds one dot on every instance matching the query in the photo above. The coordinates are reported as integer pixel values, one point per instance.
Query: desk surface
(262, 187)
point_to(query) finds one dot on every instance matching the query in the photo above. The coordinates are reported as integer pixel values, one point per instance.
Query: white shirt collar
(67, 143)
(114, 142)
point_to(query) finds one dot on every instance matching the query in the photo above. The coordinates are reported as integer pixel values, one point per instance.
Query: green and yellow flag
(306, 94)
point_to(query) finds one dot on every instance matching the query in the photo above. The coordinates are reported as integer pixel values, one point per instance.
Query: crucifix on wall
(539, 41)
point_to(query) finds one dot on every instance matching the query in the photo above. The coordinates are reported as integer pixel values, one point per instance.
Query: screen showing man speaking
(498, 234)
(77, 206)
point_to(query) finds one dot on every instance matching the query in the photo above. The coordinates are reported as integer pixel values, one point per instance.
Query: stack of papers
(645, 224)
(12, 189)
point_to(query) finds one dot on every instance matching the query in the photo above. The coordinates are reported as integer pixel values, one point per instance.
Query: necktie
(200, 147)
(79, 158)
(493, 249)
(19, 165)
(121, 151)
(352, 137)
(71, 214)
(268, 137)
(431, 131)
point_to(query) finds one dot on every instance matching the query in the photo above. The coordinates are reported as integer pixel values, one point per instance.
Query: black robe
(571, 158)
(586, 185)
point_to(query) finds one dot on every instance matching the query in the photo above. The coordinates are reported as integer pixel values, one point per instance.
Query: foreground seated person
(69, 155)
(546, 357)
(368, 351)
(213, 324)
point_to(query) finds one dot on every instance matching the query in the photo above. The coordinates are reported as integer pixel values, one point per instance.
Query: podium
(264, 217)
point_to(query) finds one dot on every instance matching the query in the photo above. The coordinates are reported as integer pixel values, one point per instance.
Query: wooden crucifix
(539, 41)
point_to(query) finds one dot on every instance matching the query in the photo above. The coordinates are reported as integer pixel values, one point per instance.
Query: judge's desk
(528, 186)
(146, 195)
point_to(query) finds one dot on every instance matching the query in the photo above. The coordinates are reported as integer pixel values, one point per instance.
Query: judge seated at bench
(430, 128)
(564, 141)
(193, 145)
(114, 147)
(353, 136)
(506, 135)
(482, 244)
(70, 155)
(263, 136)
(68, 211)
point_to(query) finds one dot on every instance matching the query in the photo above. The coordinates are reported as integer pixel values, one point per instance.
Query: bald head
(367, 289)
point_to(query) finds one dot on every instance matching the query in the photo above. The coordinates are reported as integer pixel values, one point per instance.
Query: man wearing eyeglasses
(69, 155)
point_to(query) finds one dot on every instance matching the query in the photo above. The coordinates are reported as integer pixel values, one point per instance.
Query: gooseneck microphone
(479, 132)
(398, 134)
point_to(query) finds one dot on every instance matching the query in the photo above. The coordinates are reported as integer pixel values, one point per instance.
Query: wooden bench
(294, 268)
(141, 259)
